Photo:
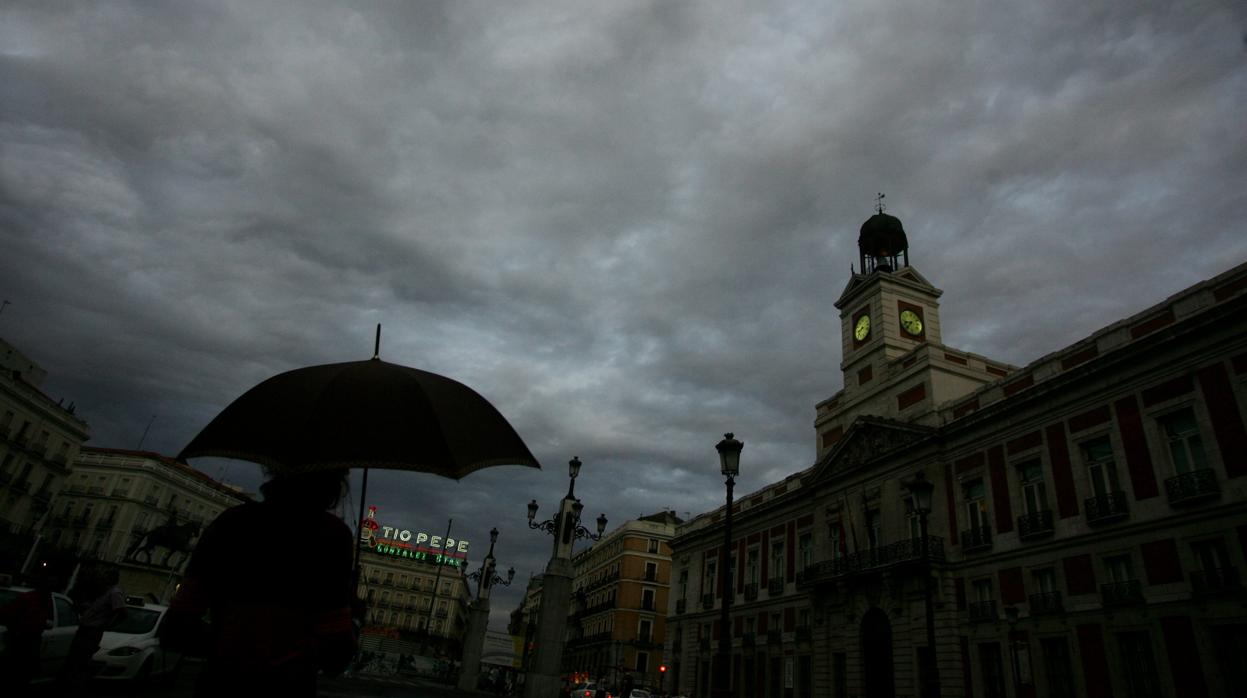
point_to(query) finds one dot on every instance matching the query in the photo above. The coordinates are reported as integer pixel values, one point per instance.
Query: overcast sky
(624, 223)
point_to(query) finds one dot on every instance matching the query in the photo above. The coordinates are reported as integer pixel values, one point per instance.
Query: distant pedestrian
(105, 611)
(24, 619)
(277, 620)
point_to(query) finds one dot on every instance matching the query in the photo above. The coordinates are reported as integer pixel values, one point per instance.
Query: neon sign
(398, 542)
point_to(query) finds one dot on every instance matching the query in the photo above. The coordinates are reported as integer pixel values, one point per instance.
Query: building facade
(39, 440)
(619, 603)
(139, 509)
(416, 593)
(1086, 537)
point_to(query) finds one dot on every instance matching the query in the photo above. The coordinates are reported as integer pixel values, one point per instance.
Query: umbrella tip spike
(376, 347)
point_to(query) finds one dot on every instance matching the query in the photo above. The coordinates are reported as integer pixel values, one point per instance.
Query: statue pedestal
(473, 644)
(545, 677)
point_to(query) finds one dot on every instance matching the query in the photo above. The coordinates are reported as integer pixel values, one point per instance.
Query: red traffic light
(662, 668)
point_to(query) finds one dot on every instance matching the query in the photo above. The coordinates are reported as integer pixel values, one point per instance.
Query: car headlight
(124, 651)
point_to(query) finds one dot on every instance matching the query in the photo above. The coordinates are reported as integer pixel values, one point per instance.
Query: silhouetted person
(24, 619)
(105, 611)
(279, 612)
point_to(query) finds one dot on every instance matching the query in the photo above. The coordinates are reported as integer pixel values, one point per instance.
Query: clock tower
(888, 308)
(894, 362)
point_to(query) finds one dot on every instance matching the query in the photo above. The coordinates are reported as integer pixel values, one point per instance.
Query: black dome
(882, 236)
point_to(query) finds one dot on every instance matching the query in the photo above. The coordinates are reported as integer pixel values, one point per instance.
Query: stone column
(473, 643)
(545, 675)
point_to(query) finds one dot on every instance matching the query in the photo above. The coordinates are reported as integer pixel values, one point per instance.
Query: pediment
(855, 280)
(868, 439)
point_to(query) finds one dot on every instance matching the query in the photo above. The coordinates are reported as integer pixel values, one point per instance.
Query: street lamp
(921, 488)
(729, 463)
(478, 615)
(544, 677)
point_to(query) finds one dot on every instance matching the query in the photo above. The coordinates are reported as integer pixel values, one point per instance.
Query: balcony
(150, 500)
(976, 539)
(1046, 602)
(751, 592)
(906, 552)
(774, 637)
(1193, 487)
(707, 601)
(1215, 581)
(982, 611)
(1035, 525)
(681, 606)
(121, 493)
(61, 459)
(776, 586)
(803, 633)
(1106, 508)
(1127, 593)
(704, 644)
(748, 640)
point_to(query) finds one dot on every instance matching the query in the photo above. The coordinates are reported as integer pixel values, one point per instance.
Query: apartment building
(1086, 537)
(619, 603)
(39, 440)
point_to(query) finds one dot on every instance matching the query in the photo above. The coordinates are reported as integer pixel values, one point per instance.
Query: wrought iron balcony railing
(774, 637)
(981, 611)
(1214, 581)
(1127, 593)
(748, 640)
(681, 605)
(751, 592)
(1104, 508)
(976, 539)
(1046, 602)
(903, 552)
(1037, 524)
(704, 644)
(776, 586)
(1192, 487)
(707, 601)
(803, 633)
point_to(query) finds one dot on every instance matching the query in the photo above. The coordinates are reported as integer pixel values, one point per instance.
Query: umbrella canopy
(363, 414)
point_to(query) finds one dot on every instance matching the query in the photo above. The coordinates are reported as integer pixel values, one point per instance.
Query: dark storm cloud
(624, 224)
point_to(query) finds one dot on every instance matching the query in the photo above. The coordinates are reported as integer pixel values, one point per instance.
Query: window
(385, 597)
(645, 630)
(647, 599)
(838, 544)
(683, 584)
(805, 548)
(1119, 568)
(1097, 455)
(651, 571)
(976, 505)
(1034, 493)
(1139, 665)
(711, 577)
(642, 662)
(1186, 447)
(1045, 580)
(389, 577)
(803, 618)
(873, 530)
(653, 545)
(777, 559)
(982, 590)
(751, 565)
(1058, 669)
(993, 669)
(912, 520)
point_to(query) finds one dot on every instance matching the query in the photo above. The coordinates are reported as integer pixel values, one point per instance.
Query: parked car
(589, 690)
(131, 650)
(57, 637)
(639, 693)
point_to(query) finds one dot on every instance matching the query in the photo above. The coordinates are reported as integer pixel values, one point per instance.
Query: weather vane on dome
(879, 202)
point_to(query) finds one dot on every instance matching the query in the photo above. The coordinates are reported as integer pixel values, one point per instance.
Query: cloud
(624, 224)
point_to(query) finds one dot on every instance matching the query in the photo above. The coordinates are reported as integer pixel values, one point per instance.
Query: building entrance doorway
(877, 655)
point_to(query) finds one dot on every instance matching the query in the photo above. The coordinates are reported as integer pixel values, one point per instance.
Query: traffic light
(662, 668)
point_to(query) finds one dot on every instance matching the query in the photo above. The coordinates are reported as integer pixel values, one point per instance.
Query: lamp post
(478, 615)
(543, 678)
(729, 462)
(921, 488)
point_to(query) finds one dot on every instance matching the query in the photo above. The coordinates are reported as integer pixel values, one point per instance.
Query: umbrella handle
(359, 525)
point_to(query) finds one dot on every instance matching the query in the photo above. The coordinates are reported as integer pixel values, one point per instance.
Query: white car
(131, 650)
(588, 690)
(57, 637)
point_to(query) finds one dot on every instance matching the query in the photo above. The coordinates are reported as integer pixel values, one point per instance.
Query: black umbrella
(363, 414)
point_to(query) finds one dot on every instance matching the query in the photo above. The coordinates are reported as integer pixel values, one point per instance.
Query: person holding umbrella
(279, 613)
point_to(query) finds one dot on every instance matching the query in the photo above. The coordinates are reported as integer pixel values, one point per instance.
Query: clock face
(911, 323)
(862, 328)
